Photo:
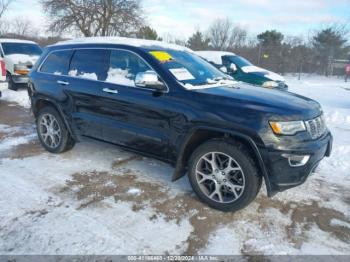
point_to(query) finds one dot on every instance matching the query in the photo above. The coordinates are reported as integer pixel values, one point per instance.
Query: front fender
(181, 168)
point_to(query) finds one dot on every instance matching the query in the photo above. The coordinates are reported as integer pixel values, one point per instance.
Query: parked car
(2, 75)
(243, 70)
(163, 101)
(19, 57)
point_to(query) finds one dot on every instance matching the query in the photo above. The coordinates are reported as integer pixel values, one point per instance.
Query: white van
(19, 57)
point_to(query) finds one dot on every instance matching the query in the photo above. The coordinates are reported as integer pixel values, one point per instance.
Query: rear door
(84, 84)
(50, 74)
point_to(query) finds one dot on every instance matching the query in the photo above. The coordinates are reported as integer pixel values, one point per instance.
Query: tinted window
(21, 48)
(90, 63)
(57, 63)
(124, 66)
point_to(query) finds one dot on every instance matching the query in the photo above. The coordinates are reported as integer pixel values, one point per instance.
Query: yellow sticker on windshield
(161, 56)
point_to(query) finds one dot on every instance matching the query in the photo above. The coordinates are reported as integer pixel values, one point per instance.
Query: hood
(282, 104)
(22, 59)
(262, 73)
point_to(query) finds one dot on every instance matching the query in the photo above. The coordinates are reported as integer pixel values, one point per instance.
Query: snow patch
(91, 76)
(22, 58)
(119, 76)
(337, 222)
(10, 142)
(124, 41)
(134, 191)
(20, 97)
(224, 241)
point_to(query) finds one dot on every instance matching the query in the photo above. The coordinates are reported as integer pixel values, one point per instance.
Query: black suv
(164, 101)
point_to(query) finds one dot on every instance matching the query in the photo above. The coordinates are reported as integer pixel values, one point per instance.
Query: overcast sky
(182, 17)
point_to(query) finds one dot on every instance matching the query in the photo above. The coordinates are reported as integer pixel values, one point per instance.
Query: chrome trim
(65, 83)
(108, 90)
(302, 162)
(316, 127)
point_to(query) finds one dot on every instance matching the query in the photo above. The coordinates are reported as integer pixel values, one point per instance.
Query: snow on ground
(97, 199)
(20, 97)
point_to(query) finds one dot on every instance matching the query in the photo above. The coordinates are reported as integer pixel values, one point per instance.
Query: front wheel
(223, 175)
(52, 131)
(10, 83)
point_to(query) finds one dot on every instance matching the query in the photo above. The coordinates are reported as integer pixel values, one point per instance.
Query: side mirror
(149, 79)
(233, 67)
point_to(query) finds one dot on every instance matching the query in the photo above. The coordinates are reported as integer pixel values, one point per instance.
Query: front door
(134, 117)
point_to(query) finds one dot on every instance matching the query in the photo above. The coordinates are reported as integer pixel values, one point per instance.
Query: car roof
(9, 40)
(214, 56)
(134, 42)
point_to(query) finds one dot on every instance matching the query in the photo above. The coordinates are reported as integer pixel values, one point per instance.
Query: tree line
(270, 49)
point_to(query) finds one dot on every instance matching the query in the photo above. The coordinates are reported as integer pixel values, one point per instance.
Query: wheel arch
(202, 134)
(46, 102)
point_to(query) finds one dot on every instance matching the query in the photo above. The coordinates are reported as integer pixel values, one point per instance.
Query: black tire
(238, 152)
(65, 143)
(11, 85)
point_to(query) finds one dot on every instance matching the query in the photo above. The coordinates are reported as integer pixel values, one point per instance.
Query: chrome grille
(316, 127)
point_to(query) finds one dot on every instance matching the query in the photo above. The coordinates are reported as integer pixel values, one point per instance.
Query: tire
(11, 85)
(239, 182)
(52, 131)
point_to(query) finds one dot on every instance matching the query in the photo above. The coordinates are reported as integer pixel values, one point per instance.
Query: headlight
(287, 128)
(270, 84)
(21, 69)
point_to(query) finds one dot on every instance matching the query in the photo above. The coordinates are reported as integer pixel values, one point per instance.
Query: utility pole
(300, 69)
(260, 50)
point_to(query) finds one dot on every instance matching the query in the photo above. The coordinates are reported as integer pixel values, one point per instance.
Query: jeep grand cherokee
(163, 101)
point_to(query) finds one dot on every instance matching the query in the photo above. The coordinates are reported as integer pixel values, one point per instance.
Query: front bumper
(20, 79)
(282, 176)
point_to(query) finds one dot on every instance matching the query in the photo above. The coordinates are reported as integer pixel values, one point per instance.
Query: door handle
(64, 83)
(108, 90)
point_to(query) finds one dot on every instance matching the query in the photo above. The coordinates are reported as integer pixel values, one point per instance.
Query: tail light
(3, 69)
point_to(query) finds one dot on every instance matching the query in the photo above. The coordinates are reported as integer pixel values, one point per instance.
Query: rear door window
(124, 66)
(90, 64)
(57, 63)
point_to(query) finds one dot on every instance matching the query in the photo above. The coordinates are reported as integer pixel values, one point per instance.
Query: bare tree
(4, 4)
(95, 17)
(173, 39)
(22, 26)
(223, 34)
(238, 36)
(4, 27)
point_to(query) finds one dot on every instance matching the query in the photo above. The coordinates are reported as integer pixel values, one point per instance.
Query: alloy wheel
(220, 177)
(50, 130)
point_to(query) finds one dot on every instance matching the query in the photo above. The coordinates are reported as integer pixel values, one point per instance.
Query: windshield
(189, 69)
(239, 61)
(21, 48)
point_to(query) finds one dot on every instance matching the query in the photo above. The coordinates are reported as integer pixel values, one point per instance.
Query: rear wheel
(223, 175)
(52, 131)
